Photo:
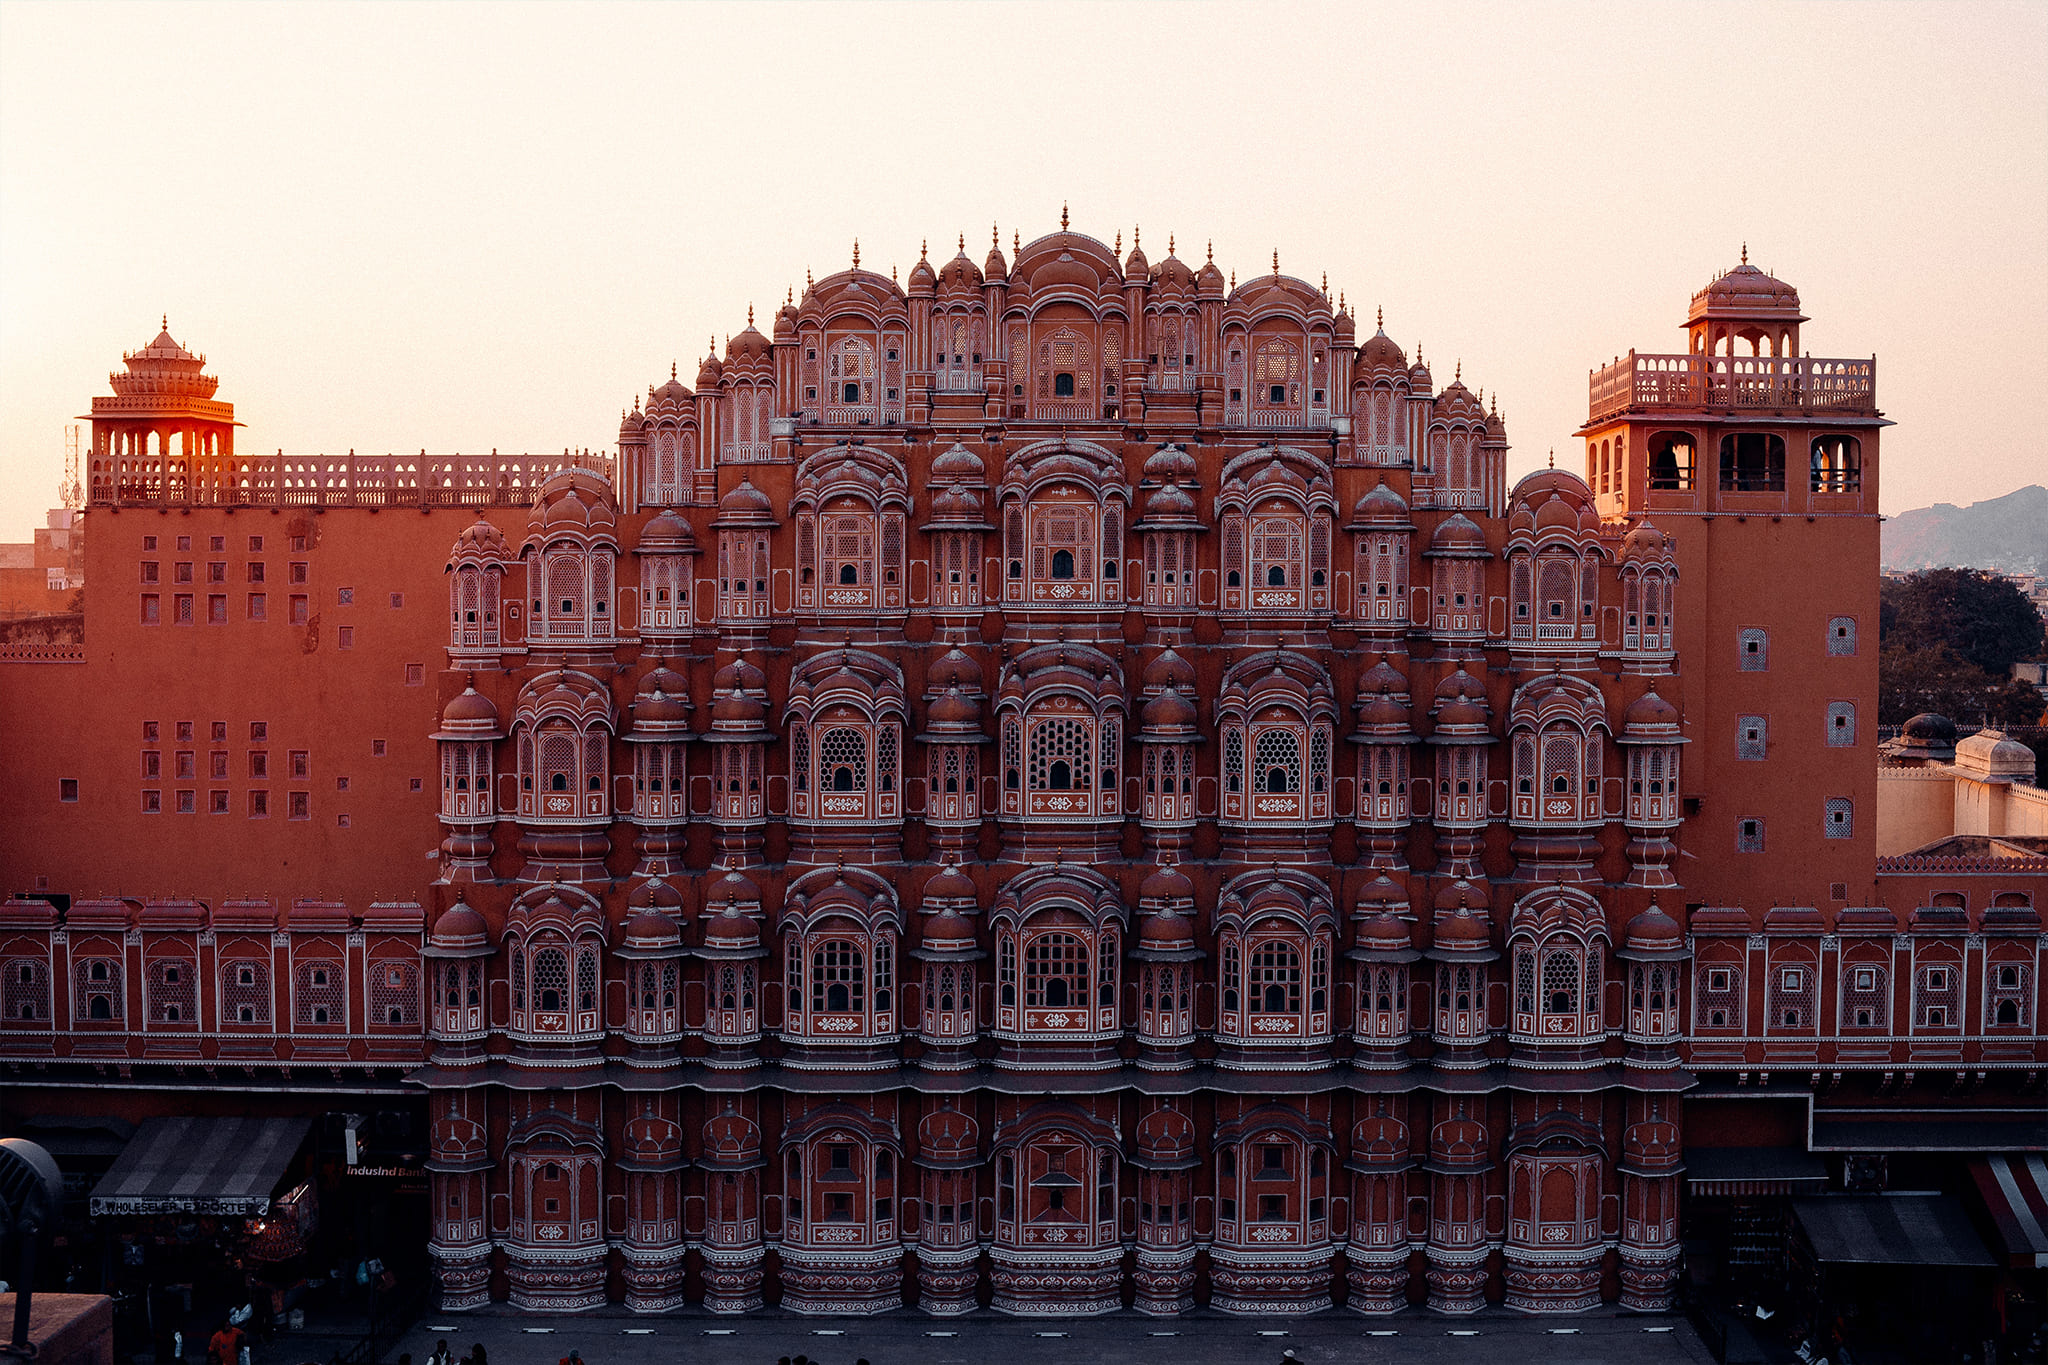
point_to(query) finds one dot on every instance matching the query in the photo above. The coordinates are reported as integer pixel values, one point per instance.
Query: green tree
(1979, 616)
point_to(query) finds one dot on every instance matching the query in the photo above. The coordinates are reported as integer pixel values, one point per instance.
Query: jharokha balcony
(1794, 384)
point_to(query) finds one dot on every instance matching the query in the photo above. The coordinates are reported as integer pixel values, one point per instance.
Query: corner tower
(1761, 463)
(163, 436)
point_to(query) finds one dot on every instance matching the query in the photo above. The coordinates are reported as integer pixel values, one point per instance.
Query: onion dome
(1381, 354)
(749, 347)
(1382, 678)
(1209, 279)
(960, 273)
(958, 464)
(1166, 885)
(1653, 935)
(469, 715)
(662, 678)
(732, 1141)
(459, 932)
(1381, 507)
(1169, 712)
(745, 505)
(1169, 670)
(1461, 923)
(729, 934)
(955, 507)
(1382, 893)
(1645, 541)
(1344, 331)
(710, 372)
(923, 280)
(785, 320)
(481, 541)
(651, 929)
(1383, 719)
(1496, 426)
(1166, 931)
(666, 534)
(1458, 536)
(996, 268)
(947, 934)
(1136, 267)
(955, 669)
(1461, 711)
(1169, 464)
(740, 676)
(672, 394)
(1419, 381)
(163, 371)
(1459, 1145)
(1929, 726)
(737, 712)
(1378, 1142)
(1463, 894)
(1650, 717)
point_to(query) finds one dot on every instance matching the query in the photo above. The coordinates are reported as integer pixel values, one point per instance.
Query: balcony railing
(492, 480)
(1769, 383)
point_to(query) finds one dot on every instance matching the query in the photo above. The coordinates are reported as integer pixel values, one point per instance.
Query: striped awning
(2015, 1189)
(226, 1166)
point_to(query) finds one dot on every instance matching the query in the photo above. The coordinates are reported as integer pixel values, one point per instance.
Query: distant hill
(2008, 534)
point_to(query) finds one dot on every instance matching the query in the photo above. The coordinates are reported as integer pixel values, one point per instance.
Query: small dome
(734, 888)
(662, 678)
(1651, 713)
(729, 931)
(1746, 290)
(739, 675)
(1382, 677)
(922, 276)
(1464, 895)
(749, 346)
(995, 268)
(1993, 755)
(651, 931)
(481, 540)
(1653, 931)
(953, 710)
(1381, 891)
(460, 929)
(658, 712)
(1169, 463)
(1381, 354)
(958, 464)
(1385, 932)
(471, 712)
(1168, 711)
(710, 372)
(673, 393)
(737, 711)
(948, 931)
(1458, 535)
(1645, 542)
(950, 884)
(1166, 929)
(955, 668)
(1170, 502)
(1166, 883)
(667, 533)
(745, 502)
(1168, 669)
(1930, 726)
(1381, 507)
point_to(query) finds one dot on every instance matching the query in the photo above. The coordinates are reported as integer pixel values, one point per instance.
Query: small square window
(219, 731)
(1842, 636)
(302, 764)
(397, 600)
(344, 597)
(188, 803)
(259, 607)
(415, 675)
(181, 572)
(217, 572)
(217, 543)
(1791, 979)
(217, 609)
(341, 784)
(298, 545)
(152, 803)
(1866, 978)
(1719, 979)
(187, 765)
(184, 732)
(259, 731)
(217, 802)
(217, 765)
(152, 763)
(255, 545)
(1751, 737)
(1749, 835)
(259, 805)
(376, 748)
(298, 571)
(299, 610)
(149, 542)
(67, 789)
(417, 785)
(1753, 650)
(150, 731)
(341, 820)
(301, 805)
(255, 571)
(259, 765)
(152, 609)
(149, 571)
(181, 609)
(1839, 823)
(345, 637)
(184, 542)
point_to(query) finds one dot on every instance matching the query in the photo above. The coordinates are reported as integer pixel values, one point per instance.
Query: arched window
(1837, 465)
(1069, 976)
(1671, 461)
(842, 981)
(1059, 1190)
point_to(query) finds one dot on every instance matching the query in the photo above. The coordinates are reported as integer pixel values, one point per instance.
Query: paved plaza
(1609, 1338)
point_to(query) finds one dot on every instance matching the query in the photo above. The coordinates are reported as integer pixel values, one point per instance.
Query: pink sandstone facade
(1064, 784)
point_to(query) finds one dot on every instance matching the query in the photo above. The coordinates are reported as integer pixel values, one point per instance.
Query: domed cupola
(671, 398)
(923, 281)
(745, 505)
(1381, 509)
(469, 715)
(954, 669)
(958, 464)
(459, 931)
(1461, 711)
(1650, 719)
(1653, 936)
(1168, 670)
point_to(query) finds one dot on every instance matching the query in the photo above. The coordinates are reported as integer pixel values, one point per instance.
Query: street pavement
(614, 1337)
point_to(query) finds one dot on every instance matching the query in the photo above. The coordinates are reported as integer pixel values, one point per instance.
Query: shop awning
(1891, 1229)
(1998, 1130)
(1720, 1172)
(2015, 1189)
(201, 1165)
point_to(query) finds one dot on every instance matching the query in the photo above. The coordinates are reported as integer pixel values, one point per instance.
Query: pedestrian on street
(477, 1355)
(441, 1355)
(572, 1358)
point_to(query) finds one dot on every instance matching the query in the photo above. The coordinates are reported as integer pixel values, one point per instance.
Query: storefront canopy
(1890, 1229)
(2015, 1189)
(201, 1165)
(1735, 1171)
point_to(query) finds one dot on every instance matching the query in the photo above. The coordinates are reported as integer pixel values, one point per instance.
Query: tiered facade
(1065, 784)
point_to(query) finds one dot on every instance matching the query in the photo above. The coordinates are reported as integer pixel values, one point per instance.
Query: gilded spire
(1553, 457)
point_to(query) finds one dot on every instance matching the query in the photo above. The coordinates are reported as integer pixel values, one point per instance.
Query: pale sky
(465, 226)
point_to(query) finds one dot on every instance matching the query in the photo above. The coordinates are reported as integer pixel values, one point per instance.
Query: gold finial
(807, 279)
(923, 248)
(167, 316)
(963, 243)
(892, 272)
(1379, 317)
(1745, 259)
(1233, 277)
(856, 253)
(790, 297)
(1212, 249)
(713, 343)
(1458, 372)
(995, 237)
(1276, 262)
(1119, 247)
(1063, 216)
(750, 315)
(671, 373)
(1326, 283)
(1136, 244)
(1553, 457)
(1016, 240)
